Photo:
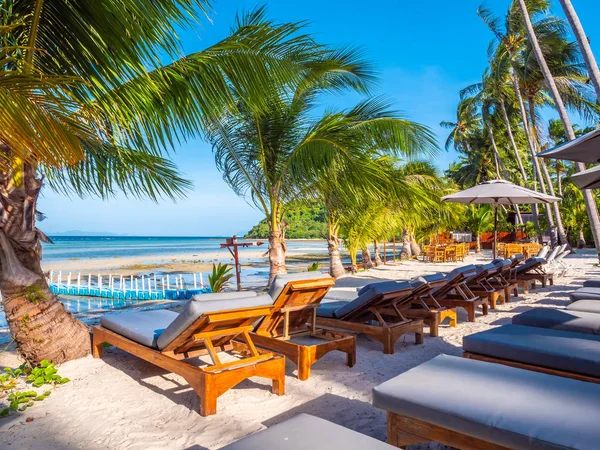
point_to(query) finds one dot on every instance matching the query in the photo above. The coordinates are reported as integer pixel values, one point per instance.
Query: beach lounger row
(462, 403)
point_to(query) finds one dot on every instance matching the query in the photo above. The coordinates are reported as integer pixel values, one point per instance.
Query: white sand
(121, 402)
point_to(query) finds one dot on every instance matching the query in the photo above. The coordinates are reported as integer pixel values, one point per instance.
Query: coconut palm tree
(275, 153)
(584, 44)
(590, 203)
(478, 220)
(468, 121)
(88, 109)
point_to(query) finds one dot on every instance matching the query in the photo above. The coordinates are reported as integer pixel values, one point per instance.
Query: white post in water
(131, 283)
(51, 274)
(168, 282)
(181, 277)
(136, 288)
(78, 281)
(100, 283)
(155, 285)
(59, 278)
(121, 284)
(69, 282)
(163, 287)
(89, 282)
(201, 281)
(195, 285)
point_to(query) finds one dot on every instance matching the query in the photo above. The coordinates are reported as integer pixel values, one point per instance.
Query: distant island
(306, 220)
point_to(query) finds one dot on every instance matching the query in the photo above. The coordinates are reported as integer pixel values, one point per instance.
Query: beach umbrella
(587, 179)
(584, 149)
(496, 193)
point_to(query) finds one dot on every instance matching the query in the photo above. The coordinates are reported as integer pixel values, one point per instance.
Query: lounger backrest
(281, 280)
(201, 315)
(377, 295)
(552, 254)
(530, 264)
(543, 252)
(297, 300)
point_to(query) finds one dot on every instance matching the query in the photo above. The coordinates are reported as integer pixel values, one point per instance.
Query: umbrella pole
(495, 231)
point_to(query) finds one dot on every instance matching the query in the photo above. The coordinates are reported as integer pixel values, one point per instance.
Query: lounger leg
(434, 324)
(351, 357)
(97, 345)
(388, 342)
(304, 363)
(485, 308)
(207, 392)
(471, 312)
(453, 318)
(419, 338)
(493, 299)
(278, 387)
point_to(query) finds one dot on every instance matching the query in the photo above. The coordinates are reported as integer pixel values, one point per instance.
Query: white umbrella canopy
(587, 179)
(498, 192)
(584, 149)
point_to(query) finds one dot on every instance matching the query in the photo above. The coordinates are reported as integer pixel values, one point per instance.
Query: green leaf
(47, 393)
(39, 381)
(64, 380)
(45, 363)
(4, 412)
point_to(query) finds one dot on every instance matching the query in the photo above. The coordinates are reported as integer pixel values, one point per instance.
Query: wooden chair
(429, 253)
(210, 333)
(440, 254)
(376, 312)
(425, 307)
(450, 253)
(512, 249)
(456, 292)
(290, 328)
(530, 272)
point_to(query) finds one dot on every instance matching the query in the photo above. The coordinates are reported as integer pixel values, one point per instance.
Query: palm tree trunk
(581, 238)
(512, 140)
(336, 268)
(40, 325)
(367, 263)
(538, 166)
(534, 209)
(590, 202)
(406, 250)
(584, 45)
(376, 254)
(276, 252)
(562, 235)
(478, 244)
(558, 178)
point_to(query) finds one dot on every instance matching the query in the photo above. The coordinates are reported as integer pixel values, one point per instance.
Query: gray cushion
(340, 294)
(529, 264)
(510, 407)
(281, 280)
(142, 327)
(328, 309)
(516, 256)
(195, 308)
(592, 306)
(555, 349)
(433, 277)
(224, 295)
(585, 293)
(560, 319)
(305, 432)
(374, 290)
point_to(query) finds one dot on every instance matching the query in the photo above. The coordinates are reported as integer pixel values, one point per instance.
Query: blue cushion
(591, 283)
(554, 349)
(560, 319)
(304, 432)
(143, 327)
(510, 407)
(328, 309)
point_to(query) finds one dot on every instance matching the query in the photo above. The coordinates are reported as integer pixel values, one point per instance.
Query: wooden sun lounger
(291, 327)
(456, 293)
(504, 280)
(211, 333)
(381, 318)
(535, 273)
(425, 307)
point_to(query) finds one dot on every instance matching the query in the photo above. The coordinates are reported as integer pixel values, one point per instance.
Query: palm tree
(584, 44)
(89, 110)
(478, 220)
(590, 203)
(468, 121)
(277, 152)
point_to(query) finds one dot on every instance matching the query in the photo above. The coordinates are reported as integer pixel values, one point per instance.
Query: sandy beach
(121, 402)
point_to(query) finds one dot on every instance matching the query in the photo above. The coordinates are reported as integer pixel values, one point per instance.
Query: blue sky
(425, 53)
